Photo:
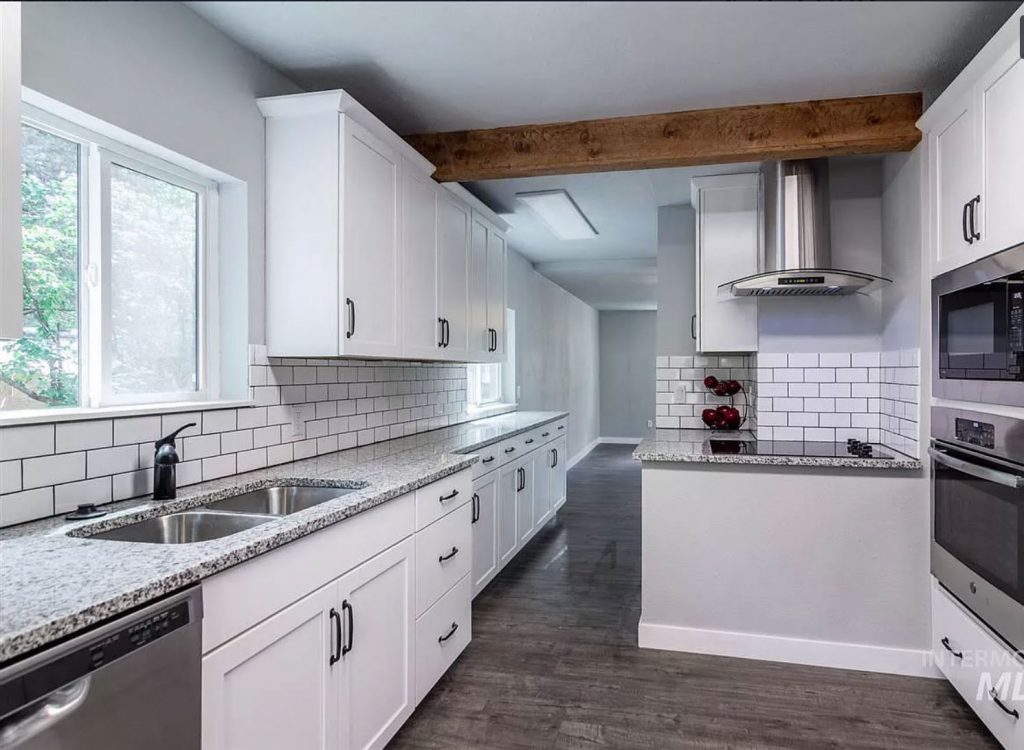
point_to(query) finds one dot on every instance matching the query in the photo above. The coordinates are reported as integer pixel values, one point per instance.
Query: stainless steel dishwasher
(133, 683)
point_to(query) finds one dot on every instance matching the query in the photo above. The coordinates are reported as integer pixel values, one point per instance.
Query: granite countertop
(55, 581)
(693, 446)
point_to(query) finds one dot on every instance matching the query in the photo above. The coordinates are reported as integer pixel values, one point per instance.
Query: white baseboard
(620, 440)
(582, 454)
(901, 661)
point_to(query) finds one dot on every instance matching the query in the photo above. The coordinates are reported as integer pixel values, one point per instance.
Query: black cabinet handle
(1006, 709)
(336, 642)
(554, 458)
(351, 318)
(440, 334)
(963, 223)
(447, 333)
(561, 426)
(476, 508)
(449, 634)
(449, 556)
(529, 441)
(693, 326)
(974, 204)
(449, 496)
(487, 460)
(957, 654)
(347, 608)
(545, 434)
(509, 450)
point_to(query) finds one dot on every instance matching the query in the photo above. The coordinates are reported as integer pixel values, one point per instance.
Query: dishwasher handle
(57, 705)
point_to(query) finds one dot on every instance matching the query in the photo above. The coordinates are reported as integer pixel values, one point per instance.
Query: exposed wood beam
(792, 130)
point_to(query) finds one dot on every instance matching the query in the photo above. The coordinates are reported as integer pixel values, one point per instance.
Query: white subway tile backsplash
(802, 390)
(786, 375)
(866, 359)
(801, 419)
(820, 375)
(10, 476)
(107, 461)
(819, 434)
(137, 430)
(769, 360)
(26, 506)
(67, 497)
(834, 390)
(251, 460)
(834, 419)
(233, 442)
(27, 441)
(803, 360)
(218, 466)
(56, 469)
(80, 436)
(835, 359)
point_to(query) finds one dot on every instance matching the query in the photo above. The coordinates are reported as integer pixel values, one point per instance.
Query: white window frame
(96, 154)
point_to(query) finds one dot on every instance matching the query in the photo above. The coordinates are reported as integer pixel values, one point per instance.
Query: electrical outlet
(650, 423)
(679, 394)
(298, 427)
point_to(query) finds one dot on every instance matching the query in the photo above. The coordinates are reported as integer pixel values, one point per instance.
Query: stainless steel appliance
(132, 683)
(978, 331)
(978, 515)
(796, 249)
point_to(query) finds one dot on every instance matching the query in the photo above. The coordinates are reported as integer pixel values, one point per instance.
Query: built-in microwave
(978, 331)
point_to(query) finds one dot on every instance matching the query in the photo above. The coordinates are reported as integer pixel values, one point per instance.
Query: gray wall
(556, 350)
(161, 72)
(627, 372)
(677, 283)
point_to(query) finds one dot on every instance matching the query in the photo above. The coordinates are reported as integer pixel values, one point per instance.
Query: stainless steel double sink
(224, 517)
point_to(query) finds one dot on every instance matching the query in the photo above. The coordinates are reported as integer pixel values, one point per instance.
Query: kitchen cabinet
(728, 237)
(975, 157)
(334, 207)
(543, 461)
(557, 476)
(485, 530)
(453, 235)
(508, 491)
(10, 171)
(333, 670)
(423, 331)
(497, 254)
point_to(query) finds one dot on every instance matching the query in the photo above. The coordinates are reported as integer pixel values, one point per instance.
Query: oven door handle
(981, 472)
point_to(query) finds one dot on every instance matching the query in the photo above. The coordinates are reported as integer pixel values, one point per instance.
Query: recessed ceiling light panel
(560, 212)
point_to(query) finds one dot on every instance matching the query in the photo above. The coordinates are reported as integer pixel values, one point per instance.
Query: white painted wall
(818, 566)
(627, 343)
(836, 324)
(556, 351)
(677, 285)
(161, 72)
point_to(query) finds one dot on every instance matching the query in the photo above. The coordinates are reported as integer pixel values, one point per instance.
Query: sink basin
(184, 528)
(279, 501)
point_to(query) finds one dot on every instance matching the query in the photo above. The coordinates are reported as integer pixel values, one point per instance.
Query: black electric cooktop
(849, 449)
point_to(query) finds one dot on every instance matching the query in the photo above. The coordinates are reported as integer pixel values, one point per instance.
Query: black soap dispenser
(164, 463)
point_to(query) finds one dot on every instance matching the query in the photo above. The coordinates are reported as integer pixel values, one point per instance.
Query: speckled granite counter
(694, 446)
(53, 584)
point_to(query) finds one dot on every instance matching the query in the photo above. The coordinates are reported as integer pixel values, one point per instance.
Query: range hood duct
(796, 252)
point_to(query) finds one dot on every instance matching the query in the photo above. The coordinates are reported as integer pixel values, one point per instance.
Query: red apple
(709, 416)
(733, 386)
(720, 389)
(729, 413)
(710, 381)
(721, 424)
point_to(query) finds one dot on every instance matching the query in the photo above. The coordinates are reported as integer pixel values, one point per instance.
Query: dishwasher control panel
(138, 634)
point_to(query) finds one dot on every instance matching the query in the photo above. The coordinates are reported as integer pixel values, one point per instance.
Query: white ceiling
(425, 66)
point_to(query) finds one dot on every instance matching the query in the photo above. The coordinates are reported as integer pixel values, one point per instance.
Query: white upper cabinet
(423, 329)
(10, 171)
(728, 237)
(975, 156)
(335, 179)
(496, 274)
(453, 235)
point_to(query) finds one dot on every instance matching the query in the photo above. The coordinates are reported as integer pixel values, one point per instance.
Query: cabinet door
(273, 686)
(453, 279)
(485, 531)
(479, 335)
(376, 662)
(956, 180)
(1001, 96)
(728, 229)
(422, 330)
(558, 490)
(496, 292)
(10, 171)
(524, 500)
(371, 303)
(543, 466)
(508, 490)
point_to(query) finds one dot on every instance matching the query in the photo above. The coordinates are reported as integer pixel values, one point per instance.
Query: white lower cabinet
(542, 467)
(333, 670)
(508, 489)
(442, 633)
(524, 499)
(557, 477)
(485, 530)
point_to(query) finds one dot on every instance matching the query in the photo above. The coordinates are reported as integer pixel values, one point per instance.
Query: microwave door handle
(981, 472)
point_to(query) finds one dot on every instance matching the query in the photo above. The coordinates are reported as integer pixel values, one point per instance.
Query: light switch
(680, 391)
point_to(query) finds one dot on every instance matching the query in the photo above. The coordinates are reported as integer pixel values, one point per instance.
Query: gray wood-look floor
(554, 661)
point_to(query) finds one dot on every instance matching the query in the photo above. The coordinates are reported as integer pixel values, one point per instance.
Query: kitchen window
(117, 247)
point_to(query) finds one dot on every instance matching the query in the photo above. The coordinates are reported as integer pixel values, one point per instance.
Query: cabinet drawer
(490, 459)
(548, 432)
(442, 633)
(442, 497)
(967, 653)
(508, 450)
(532, 439)
(444, 555)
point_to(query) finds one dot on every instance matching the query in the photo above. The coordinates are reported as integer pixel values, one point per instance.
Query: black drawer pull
(476, 508)
(1006, 709)
(529, 441)
(449, 496)
(957, 654)
(545, 434)
(487, 460)
(561, 426)
(449, 634)
(449, 556)
(509, 450)
(346, 607)
(351, 318)
(335, 656)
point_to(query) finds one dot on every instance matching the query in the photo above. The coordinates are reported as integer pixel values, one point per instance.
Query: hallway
(553, 662)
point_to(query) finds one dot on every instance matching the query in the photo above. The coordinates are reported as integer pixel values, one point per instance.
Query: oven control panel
(982, 434)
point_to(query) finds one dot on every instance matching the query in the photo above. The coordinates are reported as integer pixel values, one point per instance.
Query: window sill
(490, 410)
(78, 414)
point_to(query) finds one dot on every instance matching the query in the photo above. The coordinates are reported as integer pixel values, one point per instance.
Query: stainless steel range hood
(796, 252)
